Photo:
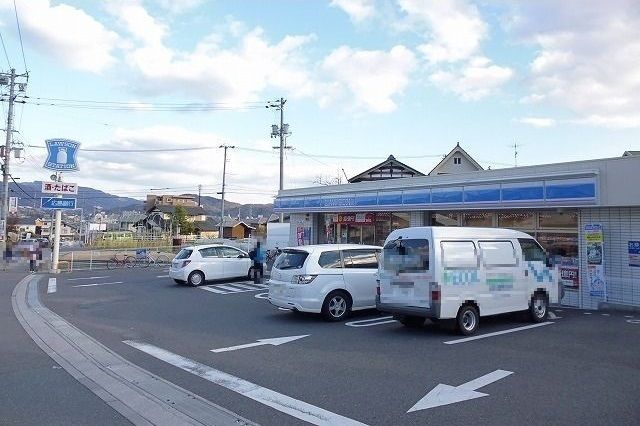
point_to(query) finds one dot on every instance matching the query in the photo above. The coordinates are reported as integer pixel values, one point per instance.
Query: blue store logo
(61, 155)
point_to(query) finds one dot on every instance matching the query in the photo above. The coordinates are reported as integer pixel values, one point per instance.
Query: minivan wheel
(539, 308)
(195, 278)
(336, 306)
(467, 320)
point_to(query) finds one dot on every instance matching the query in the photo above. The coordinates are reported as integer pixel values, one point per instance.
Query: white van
(462, 274)
(332, 279)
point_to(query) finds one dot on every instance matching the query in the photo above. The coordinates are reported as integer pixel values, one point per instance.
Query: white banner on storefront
(594, 240)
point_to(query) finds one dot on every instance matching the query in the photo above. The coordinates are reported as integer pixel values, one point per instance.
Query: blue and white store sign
(58, 203)
(62, 155)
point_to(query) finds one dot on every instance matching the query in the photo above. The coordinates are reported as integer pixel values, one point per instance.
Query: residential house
(160, 218)
(456, 161)
(236, 229)
(388, 169)
(169, 200)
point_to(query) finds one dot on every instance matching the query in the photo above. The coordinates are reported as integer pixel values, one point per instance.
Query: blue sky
(362, 79)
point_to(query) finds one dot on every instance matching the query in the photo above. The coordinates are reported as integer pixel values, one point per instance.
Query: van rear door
(405, 275)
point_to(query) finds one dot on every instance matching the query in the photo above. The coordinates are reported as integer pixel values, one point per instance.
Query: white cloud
(475, 80)
(233, 66)
(454, 28)
(538, 121)
(63, 32)
(587, 60)
(179, 6)
(373, 77)
(358, 10)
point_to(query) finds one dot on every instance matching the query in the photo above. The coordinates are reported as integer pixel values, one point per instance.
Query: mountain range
(92, 200)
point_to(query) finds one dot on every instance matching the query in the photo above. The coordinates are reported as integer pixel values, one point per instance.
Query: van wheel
(410, 321)
(467, 320)
(336, 306)
(195, 278)
(539, 308)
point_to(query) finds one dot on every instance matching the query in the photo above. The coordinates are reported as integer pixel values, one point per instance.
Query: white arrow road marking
(52, 286)
(446, 394)
(93, 285)
(276, 341)
(283, 403)
(497, 333)
(262, 296)
(370, 322)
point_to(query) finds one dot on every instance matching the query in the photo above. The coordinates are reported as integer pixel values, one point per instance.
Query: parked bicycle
(120, 260)
(146, 260)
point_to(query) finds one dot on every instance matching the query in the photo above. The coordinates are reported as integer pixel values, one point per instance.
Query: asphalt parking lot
(580, 367)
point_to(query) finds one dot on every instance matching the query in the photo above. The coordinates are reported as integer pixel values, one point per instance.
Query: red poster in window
(569, 276)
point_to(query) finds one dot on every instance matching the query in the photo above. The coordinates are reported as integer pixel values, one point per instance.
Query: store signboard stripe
(283, 403)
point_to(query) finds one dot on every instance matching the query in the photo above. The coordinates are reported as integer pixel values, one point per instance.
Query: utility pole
(56, 238)
(280, 132)
(515, 153)
(199, 192)
(224, 175)
(5, 169)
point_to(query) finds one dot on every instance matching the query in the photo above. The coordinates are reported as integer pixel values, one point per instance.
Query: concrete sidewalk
(35, 390)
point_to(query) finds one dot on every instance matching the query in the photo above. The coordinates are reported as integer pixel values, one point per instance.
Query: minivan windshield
(184, 254)
(291, 259)
(410, 255)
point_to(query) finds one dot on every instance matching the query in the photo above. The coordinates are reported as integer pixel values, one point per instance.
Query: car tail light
(378, 287)
(435, 295)
(185, 263)
(302, 279)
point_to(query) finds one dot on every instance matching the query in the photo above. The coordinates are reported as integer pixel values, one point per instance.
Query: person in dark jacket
(258, 256)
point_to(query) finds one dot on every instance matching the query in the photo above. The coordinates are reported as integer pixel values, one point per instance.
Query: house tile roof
(191, 211)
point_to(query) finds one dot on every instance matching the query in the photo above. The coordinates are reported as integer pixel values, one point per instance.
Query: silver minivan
(331, 279)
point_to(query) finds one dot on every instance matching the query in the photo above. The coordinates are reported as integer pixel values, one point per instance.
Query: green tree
(180, 219)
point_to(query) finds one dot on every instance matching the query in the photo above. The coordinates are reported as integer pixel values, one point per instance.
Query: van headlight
(302, 279)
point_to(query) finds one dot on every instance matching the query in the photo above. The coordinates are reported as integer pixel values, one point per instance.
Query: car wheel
(539, 308)
(336, 306)
(195, 278)
(467, 320)
(410, 321)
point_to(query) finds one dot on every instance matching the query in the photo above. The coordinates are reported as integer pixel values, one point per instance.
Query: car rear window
(291, 259)
(330, 259)
(410, 255)
(184, 254)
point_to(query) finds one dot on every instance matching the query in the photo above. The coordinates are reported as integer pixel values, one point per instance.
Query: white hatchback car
(332, 279)
(196, 264)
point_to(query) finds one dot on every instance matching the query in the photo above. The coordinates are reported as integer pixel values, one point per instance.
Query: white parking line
(606, 315)
(283, 403)
(162, 276)
(628, 316)
(232, 288)
(370, 322)
(252, 286)
(587, 313)
(497, 333)
(213, 290)
(52, 287)
(96, 284)
(85, 278)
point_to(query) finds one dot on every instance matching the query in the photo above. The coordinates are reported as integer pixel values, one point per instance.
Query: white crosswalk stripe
(232, 288)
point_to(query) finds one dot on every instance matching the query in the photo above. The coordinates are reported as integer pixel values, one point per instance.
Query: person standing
(258, 263)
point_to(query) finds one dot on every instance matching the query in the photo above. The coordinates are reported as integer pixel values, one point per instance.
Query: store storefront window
(359, 228)
(558, 220)
(517, 220)
(479, 219)
(444, 219)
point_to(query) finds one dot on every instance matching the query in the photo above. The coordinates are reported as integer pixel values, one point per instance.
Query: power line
(24, 60)
(126, 103)
(20, 188)
(5, 50)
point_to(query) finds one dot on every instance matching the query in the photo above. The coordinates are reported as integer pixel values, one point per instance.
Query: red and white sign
(63, 188)
(570, 276)
(354, 218)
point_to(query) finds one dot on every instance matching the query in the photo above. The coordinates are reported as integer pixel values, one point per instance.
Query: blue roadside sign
(62, 155)
(58, 203)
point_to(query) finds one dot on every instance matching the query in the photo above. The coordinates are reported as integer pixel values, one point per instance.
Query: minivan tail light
(435, 295)
(185, 263)
(378, 287)
(302, 279)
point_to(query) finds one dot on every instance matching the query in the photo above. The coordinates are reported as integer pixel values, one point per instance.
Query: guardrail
(88, 260)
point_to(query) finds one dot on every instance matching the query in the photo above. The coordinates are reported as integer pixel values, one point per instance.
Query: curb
(140, 396)
(609, 306)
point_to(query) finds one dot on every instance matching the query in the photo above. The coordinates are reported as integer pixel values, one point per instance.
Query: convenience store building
(586, 214)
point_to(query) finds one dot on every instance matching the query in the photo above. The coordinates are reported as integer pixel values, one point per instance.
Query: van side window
(330, 259)
(361, 258)
(406, 255)
(459, 254)
(497, 253)
(531, 250)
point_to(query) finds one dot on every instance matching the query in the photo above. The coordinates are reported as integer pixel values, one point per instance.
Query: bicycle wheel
(129, 262)
(162, 260)
(143, 262)
(113, 263)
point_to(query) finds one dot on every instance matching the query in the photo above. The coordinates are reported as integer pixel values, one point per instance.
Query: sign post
(61, 156)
